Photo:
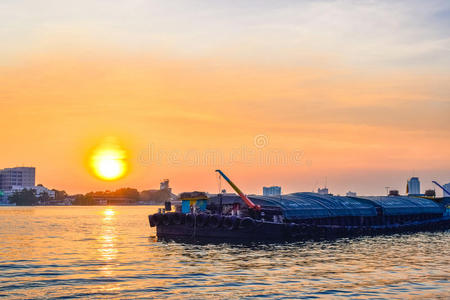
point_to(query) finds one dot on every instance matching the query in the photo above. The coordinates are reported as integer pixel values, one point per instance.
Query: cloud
(365, 34)
(355, 85)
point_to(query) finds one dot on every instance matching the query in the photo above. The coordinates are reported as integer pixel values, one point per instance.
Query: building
(15, 179)
(447, 187)
(430, 193)
(393, 193)
(351, 194)
(413, 186)
(164, 185)
(41, 190)
(272, 191)
(4, 195)
(23, 177)
(158, 196)
(323, 191)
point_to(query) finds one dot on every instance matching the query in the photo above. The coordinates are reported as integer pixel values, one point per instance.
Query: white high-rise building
(413, 186)
(15, 179)
(21, 177)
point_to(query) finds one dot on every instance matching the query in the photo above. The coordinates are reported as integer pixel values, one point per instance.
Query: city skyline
(354, 92)
(8, 188)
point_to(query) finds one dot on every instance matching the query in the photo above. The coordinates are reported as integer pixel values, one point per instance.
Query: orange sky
(359, 125)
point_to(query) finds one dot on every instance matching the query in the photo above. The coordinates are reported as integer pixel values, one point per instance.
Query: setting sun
(108, 162)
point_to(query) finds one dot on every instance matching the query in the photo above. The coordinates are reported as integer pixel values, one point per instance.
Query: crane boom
(240, 193)
(444, 189)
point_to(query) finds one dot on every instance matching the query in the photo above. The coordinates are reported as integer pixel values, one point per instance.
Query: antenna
(387, 189)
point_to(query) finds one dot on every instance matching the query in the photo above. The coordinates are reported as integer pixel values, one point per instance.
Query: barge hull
(268, 231)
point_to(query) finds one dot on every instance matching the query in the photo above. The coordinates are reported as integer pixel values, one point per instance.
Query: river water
(111, 252)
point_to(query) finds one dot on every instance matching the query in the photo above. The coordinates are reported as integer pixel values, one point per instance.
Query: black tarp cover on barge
(313, 205)
(403, 205)
(308, 205)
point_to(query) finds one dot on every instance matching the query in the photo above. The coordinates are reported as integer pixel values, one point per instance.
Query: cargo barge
(297, 216)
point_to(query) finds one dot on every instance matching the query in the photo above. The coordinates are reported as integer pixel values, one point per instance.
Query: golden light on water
(109, 212)
(109, 161)
(107, 239)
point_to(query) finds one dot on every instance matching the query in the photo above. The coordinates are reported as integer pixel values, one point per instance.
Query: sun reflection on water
(109, 212)
(107, 239)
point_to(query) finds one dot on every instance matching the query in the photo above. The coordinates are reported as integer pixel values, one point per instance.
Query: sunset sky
(354, 94)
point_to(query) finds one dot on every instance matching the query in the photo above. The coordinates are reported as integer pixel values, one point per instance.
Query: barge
(296, 216)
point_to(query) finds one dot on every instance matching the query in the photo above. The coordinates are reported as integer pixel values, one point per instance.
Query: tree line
(28, 197)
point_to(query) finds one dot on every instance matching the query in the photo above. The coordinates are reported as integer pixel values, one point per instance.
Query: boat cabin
(193, 202)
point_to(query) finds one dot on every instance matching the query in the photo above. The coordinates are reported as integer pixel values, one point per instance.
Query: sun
(108, 161)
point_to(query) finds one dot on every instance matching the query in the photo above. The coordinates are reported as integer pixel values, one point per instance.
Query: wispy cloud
(371, 34)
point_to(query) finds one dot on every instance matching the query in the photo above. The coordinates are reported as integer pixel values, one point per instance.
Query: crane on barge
(246, 200)
(441, 187)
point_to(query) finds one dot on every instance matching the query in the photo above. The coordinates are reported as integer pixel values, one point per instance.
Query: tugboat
(297, 216)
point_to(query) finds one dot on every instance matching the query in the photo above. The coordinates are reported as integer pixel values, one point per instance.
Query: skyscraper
(413, 187)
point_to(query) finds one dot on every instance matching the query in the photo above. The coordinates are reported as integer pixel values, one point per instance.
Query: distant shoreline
(6, 205)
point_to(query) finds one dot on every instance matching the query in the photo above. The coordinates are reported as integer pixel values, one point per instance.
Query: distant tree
(123, 192)
(43, 198)
(83, 199)
(60, 195)
(24, 197)
(127, 193)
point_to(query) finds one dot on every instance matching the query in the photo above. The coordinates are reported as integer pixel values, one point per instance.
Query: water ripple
(81, 252)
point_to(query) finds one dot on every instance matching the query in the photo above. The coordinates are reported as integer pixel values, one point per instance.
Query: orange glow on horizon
(346, 123)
